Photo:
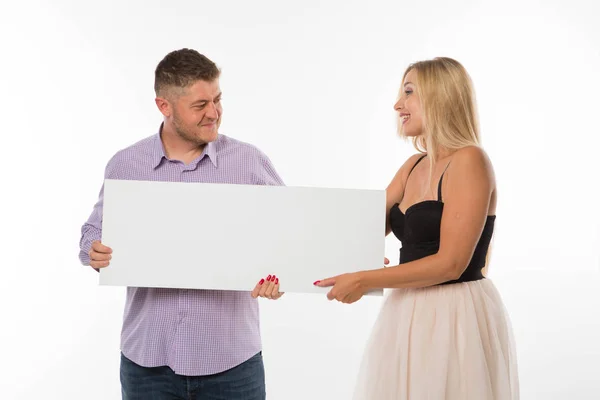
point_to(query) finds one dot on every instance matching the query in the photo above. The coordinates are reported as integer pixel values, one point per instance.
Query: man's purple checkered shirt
(195, 332)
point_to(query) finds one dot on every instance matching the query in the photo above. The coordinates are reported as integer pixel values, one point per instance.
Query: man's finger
(99, 264)
(100, 248)
(94, 255)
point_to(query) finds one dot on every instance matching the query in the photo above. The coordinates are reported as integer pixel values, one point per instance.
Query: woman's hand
(268, 288)
(346, 288)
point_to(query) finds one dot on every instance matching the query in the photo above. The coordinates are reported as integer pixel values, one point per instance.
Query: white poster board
(228, 237)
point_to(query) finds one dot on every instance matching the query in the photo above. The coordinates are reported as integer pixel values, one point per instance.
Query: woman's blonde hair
(448, 106)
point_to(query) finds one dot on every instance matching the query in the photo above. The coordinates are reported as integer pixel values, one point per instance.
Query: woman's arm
(468, 186)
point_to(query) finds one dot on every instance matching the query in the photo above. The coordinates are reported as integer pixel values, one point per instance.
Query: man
(175, 343)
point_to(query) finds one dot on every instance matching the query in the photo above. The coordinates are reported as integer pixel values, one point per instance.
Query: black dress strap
(413, 167)
(440, 183)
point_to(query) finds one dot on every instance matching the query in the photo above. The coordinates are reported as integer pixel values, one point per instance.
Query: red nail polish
(276, 281)
(316, 282)
(261, 282)
(269, 278)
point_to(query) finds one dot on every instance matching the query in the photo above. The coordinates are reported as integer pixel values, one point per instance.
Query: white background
(313, 86)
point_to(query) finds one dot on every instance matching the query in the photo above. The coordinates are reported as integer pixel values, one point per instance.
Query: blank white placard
(228, 237)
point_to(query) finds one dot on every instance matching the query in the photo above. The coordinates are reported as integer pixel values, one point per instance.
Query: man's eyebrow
(201, 101)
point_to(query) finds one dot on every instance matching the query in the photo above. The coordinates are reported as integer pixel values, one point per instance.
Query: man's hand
(268, 288)
(100, 255)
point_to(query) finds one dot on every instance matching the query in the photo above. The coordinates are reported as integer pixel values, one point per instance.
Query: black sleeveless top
(419, 232)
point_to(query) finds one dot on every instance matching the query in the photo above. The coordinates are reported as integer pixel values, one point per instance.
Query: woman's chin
(410, 134)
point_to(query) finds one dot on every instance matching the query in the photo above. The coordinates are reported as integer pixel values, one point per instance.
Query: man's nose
(212, 111)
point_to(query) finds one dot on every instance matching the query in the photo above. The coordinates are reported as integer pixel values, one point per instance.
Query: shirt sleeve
(92, 228)
(269, 175)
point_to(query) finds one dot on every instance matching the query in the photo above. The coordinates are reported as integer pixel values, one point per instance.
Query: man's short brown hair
(181, 68)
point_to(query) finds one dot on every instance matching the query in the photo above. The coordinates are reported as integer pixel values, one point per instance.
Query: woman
(442, 332)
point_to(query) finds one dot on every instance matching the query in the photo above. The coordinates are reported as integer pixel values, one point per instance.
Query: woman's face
(408, 107)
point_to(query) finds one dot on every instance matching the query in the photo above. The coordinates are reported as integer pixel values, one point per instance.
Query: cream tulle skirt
(448, 342)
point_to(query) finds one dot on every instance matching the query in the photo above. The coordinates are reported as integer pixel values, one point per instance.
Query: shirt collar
(158, 153)
(211, 151)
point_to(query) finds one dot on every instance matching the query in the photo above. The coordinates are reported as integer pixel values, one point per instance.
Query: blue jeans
(244, 382)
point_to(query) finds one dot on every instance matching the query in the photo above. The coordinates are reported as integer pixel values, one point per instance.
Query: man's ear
(163, 106)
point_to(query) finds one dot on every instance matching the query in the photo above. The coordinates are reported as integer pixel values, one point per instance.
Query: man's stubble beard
(184, 134)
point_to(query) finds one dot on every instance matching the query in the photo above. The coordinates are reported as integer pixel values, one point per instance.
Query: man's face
(196, 112)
